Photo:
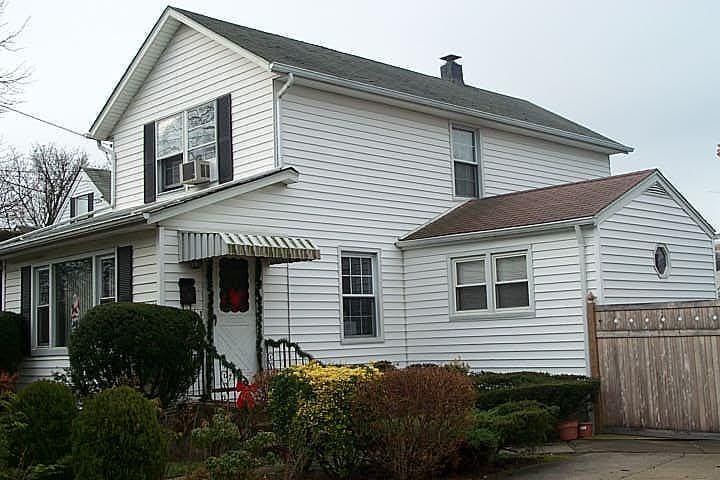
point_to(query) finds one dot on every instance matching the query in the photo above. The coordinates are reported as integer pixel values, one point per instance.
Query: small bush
(240, 464)
(117, 436)
(414, 419)
(570, 393)
(217, 436)
(311, 409)
(12, 340)
(151, 348)
(481, 446)
(518, 424)
(39, 424)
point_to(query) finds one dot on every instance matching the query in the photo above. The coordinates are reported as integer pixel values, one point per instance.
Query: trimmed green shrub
(570, 393)
(152, 348)
(240, 464)
(12, 341)
(217, 436)
(39, 424)
(413, 420)
(518, 424)
(311, 408)
(117, 436)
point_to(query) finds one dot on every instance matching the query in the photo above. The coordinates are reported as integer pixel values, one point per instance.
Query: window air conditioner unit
(197, 171)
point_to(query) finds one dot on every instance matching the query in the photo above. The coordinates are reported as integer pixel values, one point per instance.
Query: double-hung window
(491, 283)
(184, 137)
(64, 291)
(81, 205)
(359, 295)
(465, 163)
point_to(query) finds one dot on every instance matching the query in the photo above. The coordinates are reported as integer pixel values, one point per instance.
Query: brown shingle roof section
(532, 207)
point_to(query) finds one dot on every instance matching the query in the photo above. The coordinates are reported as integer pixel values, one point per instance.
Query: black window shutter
(91, 201)
(224, 140)
(25, 307)
(73, 207)
(125, 274)
(149, 161)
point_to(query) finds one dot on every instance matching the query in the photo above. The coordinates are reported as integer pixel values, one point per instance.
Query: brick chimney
(452, 71)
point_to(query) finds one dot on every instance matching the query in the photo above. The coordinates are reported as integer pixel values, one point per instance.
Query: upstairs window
(184, 137)
(81, 205)
(465, 163)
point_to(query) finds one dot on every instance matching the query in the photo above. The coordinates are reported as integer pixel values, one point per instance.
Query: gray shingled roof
(295, 53)
(101, 178)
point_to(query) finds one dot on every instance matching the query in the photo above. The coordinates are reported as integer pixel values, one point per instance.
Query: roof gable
(274, 51)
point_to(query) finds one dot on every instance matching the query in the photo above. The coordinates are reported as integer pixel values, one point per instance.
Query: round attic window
(662, 261)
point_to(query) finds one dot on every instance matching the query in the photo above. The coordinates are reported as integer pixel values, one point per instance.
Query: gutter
(110, 154)
(278, 118)
(18, 245)
(500, 232)
(363, 87)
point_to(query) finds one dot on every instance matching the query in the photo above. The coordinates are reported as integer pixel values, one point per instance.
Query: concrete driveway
(615, 458)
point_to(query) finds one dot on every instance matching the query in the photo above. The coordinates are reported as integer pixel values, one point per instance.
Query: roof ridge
(433, 77)
(551, 187)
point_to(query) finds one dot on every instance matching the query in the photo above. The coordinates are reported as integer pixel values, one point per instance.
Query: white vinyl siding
(195, 69)
(512, 162)
(550, 338)
(144, 286)
(628, 240)
(368, 175)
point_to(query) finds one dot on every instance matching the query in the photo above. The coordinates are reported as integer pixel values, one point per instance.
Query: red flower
(246, 394)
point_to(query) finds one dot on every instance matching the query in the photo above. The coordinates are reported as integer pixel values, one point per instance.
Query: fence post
(591, 315)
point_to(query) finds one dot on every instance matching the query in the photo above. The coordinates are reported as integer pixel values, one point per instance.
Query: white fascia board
(500, 232)
(217, 194)
(674, 194)
(414, 99)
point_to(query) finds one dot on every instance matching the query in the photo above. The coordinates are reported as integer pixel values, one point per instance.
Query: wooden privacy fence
(659, 365)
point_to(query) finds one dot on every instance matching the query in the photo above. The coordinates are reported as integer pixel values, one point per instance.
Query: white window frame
(455, 285)
(160, 188)
(98, 278)
(84, 196)
(375, 256)
(42, 350)
(477, 139)
(491, 281)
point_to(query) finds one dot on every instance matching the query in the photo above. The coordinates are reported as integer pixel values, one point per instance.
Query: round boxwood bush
(152, 348)
(11, 341)
(117, 436)
(40, 426)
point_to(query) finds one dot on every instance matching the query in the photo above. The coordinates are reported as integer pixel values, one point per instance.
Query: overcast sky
(644, 73)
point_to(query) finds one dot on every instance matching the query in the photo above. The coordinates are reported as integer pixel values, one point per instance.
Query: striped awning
(198, 245)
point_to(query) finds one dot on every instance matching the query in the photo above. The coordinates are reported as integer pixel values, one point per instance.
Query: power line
(47, 122)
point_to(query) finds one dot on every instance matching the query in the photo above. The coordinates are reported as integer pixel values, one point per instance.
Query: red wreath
(246, 394)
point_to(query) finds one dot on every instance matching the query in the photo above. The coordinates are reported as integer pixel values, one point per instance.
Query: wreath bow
(246, 394)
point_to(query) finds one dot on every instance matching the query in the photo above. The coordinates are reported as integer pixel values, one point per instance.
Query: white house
(364, 211)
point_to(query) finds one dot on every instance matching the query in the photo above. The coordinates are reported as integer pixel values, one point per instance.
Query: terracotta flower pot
(568, 430)
(585, 429)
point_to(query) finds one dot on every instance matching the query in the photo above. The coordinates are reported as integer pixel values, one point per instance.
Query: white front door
(234, 304)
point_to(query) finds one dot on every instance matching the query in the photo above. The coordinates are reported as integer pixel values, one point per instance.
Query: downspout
(110, 155)
(583, 291)
(278, 117)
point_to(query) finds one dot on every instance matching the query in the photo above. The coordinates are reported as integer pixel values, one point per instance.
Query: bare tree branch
(12, 79)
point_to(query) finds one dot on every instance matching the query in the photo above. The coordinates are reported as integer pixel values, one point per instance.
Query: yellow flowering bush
(311, 408)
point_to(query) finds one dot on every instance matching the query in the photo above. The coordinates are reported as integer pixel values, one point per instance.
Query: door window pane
(234, 285)
(42, 306)
(73, 287)
(106, 279)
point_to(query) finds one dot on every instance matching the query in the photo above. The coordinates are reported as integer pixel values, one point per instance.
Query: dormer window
(81, 205)
(185, 137)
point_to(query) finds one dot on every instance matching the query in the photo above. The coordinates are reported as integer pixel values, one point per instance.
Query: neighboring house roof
(150, 213)
(532, 207)
(101, 178)
(279, 52)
